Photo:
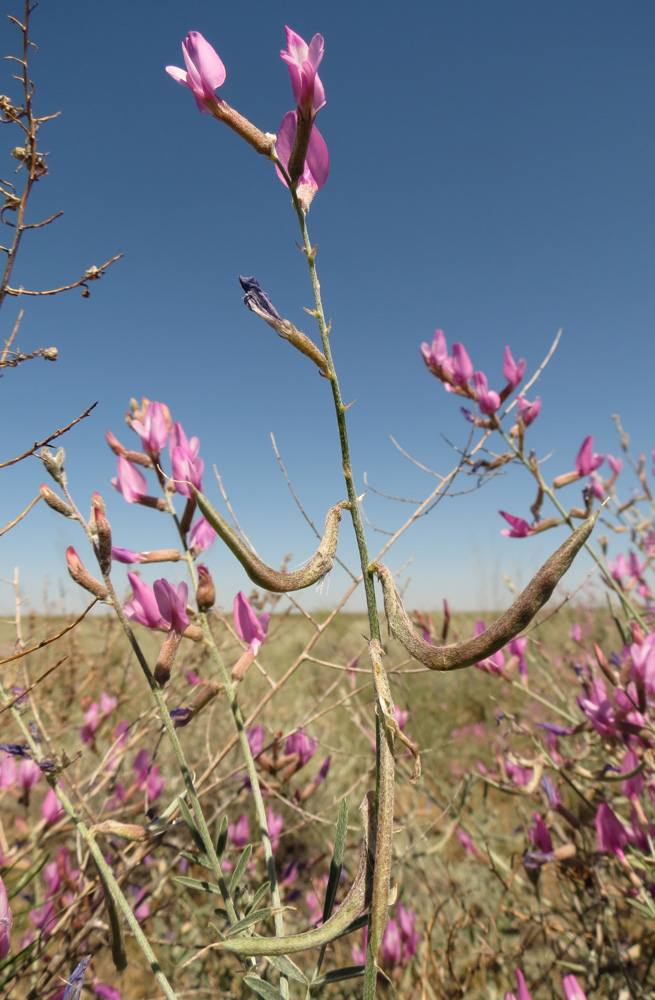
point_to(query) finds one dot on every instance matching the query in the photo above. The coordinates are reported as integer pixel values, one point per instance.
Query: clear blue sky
(492, 172)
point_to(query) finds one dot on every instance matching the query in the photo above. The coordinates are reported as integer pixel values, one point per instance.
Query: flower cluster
(301, 152)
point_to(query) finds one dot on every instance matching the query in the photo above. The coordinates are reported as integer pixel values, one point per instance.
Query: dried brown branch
(53, 638)
(48, 440)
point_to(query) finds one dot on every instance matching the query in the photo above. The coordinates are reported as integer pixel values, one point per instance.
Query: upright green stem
(384, 739)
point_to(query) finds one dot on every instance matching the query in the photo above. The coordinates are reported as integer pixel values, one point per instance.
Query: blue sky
(491, 174)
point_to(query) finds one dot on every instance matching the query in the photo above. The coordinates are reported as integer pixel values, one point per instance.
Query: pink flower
(615, 464)
(187, 471)
(540, 835)
(529, 411)
(51, 809)
(7, 771)
(255, 737)
(462, 366)
(391, 943)
(5, 922)
(143, 607)
(152, 429)
(129, 481)
(239, 832)
(518, 527)
(250, 628)
(410, 937)
(303, 61)
(586, 461)
(435, 354)
(172, 604)
(488, 400)
(301, 744)
(612, 835)
(204, 72)
(28, 774)
(317, 162)
(513, 372)
(523, 991)
(572, 989)
(201, 537)
(275, 824)
(517, 647)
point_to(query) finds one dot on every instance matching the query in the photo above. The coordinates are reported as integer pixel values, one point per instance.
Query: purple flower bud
(612, 835)
(488, 400)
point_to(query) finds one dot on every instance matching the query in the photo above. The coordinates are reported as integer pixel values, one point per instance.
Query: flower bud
(54, 464)
(103, 531)
(206, 594)
(56, 502)
(166, 657)
(50, 353)
(83, 577)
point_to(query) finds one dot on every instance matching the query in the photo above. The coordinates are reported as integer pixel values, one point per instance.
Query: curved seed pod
(357, 900)
(520, 614)
(261, 574)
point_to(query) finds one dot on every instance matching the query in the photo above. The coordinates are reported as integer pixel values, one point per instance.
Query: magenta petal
(171, 602)
(203, 63)
(518, 527)
(318, 159)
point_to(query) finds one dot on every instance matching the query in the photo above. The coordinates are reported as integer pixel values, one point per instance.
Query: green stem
(384, 757)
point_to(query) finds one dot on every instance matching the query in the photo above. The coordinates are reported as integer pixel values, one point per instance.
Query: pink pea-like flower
(612, 835)
(255, 737)
(518, 528)
(529, 411)
(572, 988)
(391, 944)
(204, 72)
(201, 537)
(250, 627)
(171, 602)
(488, 400)
(129, 481)
(239, 832)
(303, 61)
(462, 365)
(143, 607)
(513, 372)
(317, 162)
(51, 809)
(28, 774)
(586, 460)
(152, 429)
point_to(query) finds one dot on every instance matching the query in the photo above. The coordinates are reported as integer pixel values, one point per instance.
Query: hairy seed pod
(517, 616)
(264, 576)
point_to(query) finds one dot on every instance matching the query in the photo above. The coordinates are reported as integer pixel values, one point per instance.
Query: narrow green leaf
(288, 968)
(240, 868)
(336, 863)
(252, 918)
(259, 895)
(337, 976)
(196, 860)
(191, 824)
(199, 884)
(262, 989)
(222, 838)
